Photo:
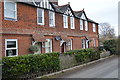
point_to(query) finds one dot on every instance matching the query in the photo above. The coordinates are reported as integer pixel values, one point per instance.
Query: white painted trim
(11, 48)
(71, 41)
(65, 19)
(83, 43)
(42, 17)
(15, 10)
(83, 16)
(51, 47)
(72, 27)
(52, 25)
(94, 27)
(86, 26)
(81, 24)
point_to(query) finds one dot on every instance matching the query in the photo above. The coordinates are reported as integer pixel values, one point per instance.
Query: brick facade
(26, 26)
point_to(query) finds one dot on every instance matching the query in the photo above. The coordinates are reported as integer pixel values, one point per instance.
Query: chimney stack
(69, 3)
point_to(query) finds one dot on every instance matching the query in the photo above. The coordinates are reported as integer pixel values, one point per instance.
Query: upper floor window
(65, 21)
(11, 47)
(72, 23)
(51, 19)
(40, 16)
(86, 26)
(94, 27)
(81, 24)
(10, 10)
(48, 46)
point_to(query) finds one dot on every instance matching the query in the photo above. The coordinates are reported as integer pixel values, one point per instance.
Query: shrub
(110, 45)
(84, 55)
(30, 64)
(33, 48)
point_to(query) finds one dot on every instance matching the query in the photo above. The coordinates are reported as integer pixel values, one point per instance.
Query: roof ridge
(78, 11)
(63, 5)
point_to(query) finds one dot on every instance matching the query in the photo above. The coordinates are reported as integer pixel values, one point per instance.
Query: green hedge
(84, 55)
(29, 64)
(111, 45)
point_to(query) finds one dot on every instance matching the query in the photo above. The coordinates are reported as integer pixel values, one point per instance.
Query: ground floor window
(83, 43)
(11, 47)
(69, 44)
(48, 46)
(94, 44)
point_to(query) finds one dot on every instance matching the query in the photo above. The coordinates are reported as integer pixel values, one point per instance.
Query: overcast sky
(97, 10)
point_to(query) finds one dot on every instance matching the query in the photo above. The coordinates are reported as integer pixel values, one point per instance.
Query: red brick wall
(27, 24)
(24, 42)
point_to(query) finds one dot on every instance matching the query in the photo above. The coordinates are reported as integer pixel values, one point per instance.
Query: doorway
(39, 44)
(63, 47)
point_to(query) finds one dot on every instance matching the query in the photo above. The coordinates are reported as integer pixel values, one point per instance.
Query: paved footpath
(103, 69)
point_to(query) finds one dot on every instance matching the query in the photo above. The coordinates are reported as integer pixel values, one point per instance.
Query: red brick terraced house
(51, 27)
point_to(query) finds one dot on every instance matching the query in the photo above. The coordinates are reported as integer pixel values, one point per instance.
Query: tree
(106, 31)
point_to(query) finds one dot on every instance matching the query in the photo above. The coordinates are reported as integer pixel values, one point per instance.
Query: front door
(63, 47)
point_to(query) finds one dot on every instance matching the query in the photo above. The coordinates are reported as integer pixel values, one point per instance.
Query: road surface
(104, 69)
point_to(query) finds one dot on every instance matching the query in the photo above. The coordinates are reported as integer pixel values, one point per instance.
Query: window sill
(11, 19)
(52, 26)
(12, 56)
(40, 24)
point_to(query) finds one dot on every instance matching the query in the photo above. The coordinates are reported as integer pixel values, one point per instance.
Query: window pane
(51, 16)
(11, 44)
(47, 44)
(10, 5)
(9, 10)
(47, 50)
(39, 19)
(39, 13)
(40, 16)
(12, 52)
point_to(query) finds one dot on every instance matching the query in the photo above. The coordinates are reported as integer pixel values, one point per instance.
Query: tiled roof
(61, 9)
(92, 21)
(78, 14)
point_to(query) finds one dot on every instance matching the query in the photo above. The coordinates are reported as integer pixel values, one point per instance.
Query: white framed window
(94, 27)
(48, 46)
(10, 10)
(69, 45)
(94, 44)
(65, 21)
(72, 23)
(11, 47)
(81, 24)
(83, 43)
(86, 26)
(40, 16)
(51, 19)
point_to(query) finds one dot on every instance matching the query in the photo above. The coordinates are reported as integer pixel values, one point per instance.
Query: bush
(84, 55)
(110, 45)
(30, 64)
(33, 48)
